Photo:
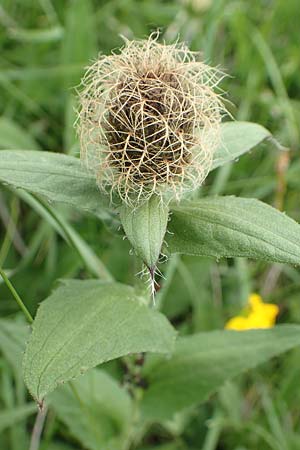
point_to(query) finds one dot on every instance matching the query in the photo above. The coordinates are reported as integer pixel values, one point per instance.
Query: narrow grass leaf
(57, 446)
(52, 216)
(79, 44)
(12, 136)
(10, 417)
(92, 399)
(36, 36)
(12, 340)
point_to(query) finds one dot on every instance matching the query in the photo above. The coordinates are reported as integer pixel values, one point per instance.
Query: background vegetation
(45, 44)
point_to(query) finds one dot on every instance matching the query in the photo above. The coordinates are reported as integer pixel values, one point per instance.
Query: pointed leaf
(145, 226)
(58, 177)
(238, 138)
(13, 136)
(13, 336)
(60, 224)
(79, 45)
(85, 323)
(103, 401)
(233, 227)
(202, 362)
(10, 417)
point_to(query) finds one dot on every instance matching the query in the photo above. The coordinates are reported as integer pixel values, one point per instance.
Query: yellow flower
(257, 314)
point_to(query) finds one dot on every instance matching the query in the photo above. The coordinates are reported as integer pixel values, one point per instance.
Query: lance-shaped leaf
(233, 227)
(202, 362)
(10, 417)
(238, 138)
(57, 177)
(12, 136)
(85, 323)
(145, 226)
(105, 402)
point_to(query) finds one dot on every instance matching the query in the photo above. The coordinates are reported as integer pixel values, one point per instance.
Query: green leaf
(80, 41)
(85, 323)
(10, 417)
(79, 47)
(233, 227)
(56, 446)
(238, 138)
(12, 136)
(96, 398)
(171, 446)
(57, 177)
(145, 226)
(37, 36)
(202, 362)
(13, 336)
(61, 226)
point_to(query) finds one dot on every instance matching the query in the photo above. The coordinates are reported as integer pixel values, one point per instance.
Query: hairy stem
(38, 428)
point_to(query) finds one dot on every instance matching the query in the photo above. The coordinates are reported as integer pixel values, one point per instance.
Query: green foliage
(202, 362)
(50, 208)
(14, 137)
(238, 138)
(85, 323)
(11, 417)
(93, 264)
(232, 227)
(79, 44)
(145, 226)
(57, 177)
(12, 338)
(62, 178)
(92, 400)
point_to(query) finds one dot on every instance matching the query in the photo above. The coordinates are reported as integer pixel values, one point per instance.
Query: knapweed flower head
(149, 120)
(257, 314)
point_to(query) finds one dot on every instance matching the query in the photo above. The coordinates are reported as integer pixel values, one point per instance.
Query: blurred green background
(45, 45)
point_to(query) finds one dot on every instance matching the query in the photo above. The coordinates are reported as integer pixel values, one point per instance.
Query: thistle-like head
(149, 120)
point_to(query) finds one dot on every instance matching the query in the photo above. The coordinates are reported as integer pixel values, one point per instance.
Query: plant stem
(214, 431)
(16, 296)
(38, 428)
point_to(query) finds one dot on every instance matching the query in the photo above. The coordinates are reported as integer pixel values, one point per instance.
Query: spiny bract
(149, 120)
